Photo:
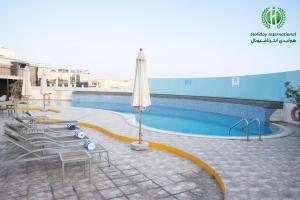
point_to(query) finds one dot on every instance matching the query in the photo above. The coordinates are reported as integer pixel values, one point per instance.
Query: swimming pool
(183, 120)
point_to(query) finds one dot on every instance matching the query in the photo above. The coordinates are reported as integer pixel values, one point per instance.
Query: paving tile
(20, 197)
(63, 191)
(139, 196)
(109, 169)
(39, 188)
(131, 172)
(111, 193)
(84, 187)
(100, 185)
(124, 167)
(46, 195)
(115, 175)
(186, 196)
(168, 198)
(157, 193)
(147, 185)
(90, 196)
(130, 189)
(161, 180)
(198, 192)
(122, 181)
(69, 198)
(17, 190)
(176, 188)
(120, 198)
(176, 178)
(138, 178)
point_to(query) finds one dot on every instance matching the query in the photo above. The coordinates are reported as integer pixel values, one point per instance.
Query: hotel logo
(273, 17)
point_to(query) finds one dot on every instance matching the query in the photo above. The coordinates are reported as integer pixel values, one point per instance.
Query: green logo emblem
(273, 17)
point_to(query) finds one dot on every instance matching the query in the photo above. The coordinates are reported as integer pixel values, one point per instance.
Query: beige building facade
(64, 77)
(11, 70)
(107, 83)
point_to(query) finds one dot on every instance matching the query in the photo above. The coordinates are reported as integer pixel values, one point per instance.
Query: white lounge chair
(35, 119)
(63, 140)
(44, 153)
(3, 98)
(42, 128)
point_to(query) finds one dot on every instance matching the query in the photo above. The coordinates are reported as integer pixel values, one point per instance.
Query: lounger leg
(63, 171)
(90, 170)
(84, 167)
(100, 155)
(108, 158)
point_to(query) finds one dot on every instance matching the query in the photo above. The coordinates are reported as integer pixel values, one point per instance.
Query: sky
(180, 38)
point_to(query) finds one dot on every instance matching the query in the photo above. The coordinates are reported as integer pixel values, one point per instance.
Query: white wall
(287, 108)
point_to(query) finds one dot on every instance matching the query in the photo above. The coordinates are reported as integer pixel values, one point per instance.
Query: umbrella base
(139, 146)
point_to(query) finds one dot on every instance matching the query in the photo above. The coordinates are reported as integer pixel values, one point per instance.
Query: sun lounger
(35, 119)
(41, 128)
(46, 121)
(32, 153)
(7, 105)
(32, 119)
(3, 98)
(42, 153)
(22, 129)
(57, 132)
(43, 137)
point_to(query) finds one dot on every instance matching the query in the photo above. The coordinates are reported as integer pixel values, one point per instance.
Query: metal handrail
(237, 123)
(258, 126)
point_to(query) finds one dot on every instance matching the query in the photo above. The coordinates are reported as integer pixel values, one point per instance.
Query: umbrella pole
(140, 126)
(27, 103)
(44, 102)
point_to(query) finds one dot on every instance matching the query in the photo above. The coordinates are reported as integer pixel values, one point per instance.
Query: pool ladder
(248, 123)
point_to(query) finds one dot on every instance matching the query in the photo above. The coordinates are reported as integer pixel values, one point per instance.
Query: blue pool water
(182, 120)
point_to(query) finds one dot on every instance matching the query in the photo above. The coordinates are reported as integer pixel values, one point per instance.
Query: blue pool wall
(91, 99)
(258, 87)
(268, 87)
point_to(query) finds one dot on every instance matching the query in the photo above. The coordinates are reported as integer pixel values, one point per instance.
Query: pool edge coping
(282, 132)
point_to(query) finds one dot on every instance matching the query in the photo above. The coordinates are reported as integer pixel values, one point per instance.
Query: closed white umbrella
(43, 90)
(26, 84)
(141, 94)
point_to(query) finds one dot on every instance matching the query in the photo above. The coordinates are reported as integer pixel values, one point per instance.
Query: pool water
(184, 121)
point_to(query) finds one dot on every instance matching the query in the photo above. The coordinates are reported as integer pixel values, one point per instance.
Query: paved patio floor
(151, 174)
(251, 170)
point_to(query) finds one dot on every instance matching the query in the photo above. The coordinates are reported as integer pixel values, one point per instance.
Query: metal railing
(248, 123)
(237, 123)
(258, 123)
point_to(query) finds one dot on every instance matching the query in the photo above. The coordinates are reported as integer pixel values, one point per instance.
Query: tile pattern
(251, 170)
(148, 175)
